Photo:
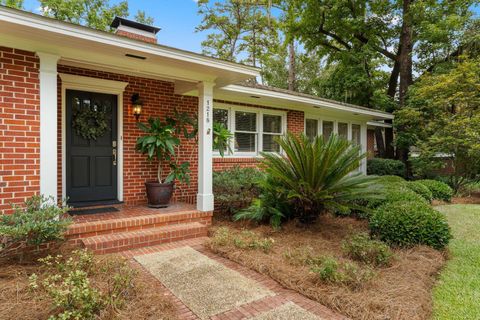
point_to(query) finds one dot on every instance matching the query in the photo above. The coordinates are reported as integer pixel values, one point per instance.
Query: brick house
(48, 68)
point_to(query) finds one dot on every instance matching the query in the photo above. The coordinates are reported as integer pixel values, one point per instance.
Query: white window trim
(363, 132)
(231, 109)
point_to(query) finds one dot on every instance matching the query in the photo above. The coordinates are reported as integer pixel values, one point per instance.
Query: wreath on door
(90, 124)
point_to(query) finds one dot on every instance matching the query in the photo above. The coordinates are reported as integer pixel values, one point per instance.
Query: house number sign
(207, 113)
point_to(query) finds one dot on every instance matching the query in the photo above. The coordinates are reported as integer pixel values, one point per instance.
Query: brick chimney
(135, 30)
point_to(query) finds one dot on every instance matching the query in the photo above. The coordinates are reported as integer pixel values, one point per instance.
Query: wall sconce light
(137, 105)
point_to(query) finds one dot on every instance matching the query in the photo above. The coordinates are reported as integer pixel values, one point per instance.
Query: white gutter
(310, 101)
(67, 29)
(379, 124)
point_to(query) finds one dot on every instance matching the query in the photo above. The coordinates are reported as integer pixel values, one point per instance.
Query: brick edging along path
(245, 311)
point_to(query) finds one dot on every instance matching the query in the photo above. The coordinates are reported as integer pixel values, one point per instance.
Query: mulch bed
(400, 291)
(18, 301)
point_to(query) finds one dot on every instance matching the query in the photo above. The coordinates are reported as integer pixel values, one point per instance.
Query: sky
(177, 18)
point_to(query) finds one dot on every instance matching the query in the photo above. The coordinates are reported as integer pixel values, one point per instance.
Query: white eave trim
(310, 101)
(379, 124)
(75, 31)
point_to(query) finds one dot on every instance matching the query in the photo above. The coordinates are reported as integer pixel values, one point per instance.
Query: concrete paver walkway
(206, 286)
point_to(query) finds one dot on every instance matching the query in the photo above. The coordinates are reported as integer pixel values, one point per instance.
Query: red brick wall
(19, 127)
(159, 101)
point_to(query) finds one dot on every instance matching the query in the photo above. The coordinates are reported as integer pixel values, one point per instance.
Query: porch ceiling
(85, 47)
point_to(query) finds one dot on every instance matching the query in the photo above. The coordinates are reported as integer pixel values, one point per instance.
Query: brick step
(141, 222)
(122, 241)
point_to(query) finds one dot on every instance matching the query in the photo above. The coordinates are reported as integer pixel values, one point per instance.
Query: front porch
(133, 227)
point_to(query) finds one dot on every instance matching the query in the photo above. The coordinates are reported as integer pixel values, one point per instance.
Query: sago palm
(319, 175)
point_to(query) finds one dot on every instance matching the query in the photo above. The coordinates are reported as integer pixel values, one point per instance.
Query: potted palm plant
(159, 143)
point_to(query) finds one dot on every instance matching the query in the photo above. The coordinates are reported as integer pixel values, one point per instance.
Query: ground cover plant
(333, 261)
(74, 284)
(456, 294)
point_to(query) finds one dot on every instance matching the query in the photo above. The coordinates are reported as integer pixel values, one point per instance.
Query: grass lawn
(457, 293)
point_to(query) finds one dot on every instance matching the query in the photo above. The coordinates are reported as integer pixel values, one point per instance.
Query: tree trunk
(292, 85)
(406, 70)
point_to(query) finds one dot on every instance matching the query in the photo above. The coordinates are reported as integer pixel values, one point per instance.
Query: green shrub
(67, 281)
(396, 193)
(234, 189)
(388, 180)
(272, 205)
(410, 223)
(361, 248)
(330, 270)
(39, 221)
(440, 190)
(385, 167)
(420, 189)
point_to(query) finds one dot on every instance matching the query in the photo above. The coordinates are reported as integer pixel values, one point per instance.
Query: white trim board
(71, 30)
(73, 82)
(310, 101)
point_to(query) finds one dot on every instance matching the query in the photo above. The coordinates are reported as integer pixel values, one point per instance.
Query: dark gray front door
(91, 167)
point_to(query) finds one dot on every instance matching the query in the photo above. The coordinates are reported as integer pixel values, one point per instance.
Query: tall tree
(97, 14)
(392, 30)
(442, 116)
(240, 30)
(17, 4)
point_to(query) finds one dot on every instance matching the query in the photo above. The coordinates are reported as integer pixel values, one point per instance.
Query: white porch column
(48, 124)
(205, 140)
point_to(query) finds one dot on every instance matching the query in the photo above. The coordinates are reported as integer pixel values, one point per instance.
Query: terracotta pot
(159, 194)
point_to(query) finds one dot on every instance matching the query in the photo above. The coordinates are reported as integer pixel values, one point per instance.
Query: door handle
(114, 152)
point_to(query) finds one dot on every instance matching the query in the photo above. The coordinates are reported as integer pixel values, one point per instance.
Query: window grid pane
(245, 142)
(356, 134)
(311, 128)
(269, 143)
(220, 116)
(343, 130)
(327, 129)
(245, 121)
(272, 123)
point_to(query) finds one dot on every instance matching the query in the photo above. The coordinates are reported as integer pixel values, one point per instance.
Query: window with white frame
(253, 130)
(311, 128)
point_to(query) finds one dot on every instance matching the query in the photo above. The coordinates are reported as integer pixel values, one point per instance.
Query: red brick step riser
(105, 227)
(117, 243)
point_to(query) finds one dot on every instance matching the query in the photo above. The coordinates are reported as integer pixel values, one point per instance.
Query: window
(343, 130)
(253, 130)
(356, 134)
(272, 128)
(311, 128)
(327, 129)
(245, 131)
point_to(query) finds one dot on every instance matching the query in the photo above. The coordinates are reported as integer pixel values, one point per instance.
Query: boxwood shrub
(440, 190)
(396, 193)
(410, 223)
(420, 189)
(384, 167)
